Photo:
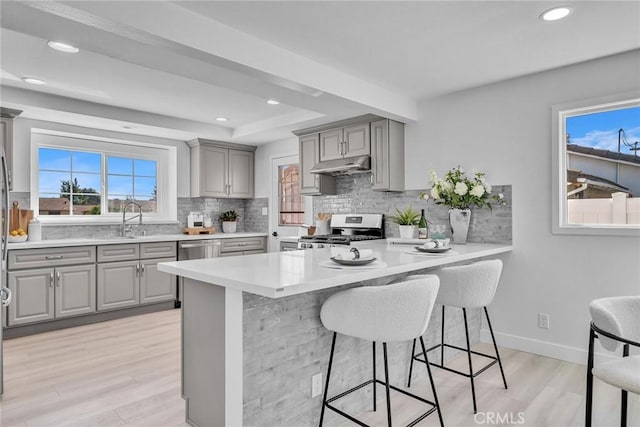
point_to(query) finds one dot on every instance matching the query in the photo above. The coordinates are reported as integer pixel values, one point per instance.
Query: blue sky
(600, 130)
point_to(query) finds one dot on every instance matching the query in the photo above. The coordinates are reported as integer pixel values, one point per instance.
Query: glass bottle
(423, 228)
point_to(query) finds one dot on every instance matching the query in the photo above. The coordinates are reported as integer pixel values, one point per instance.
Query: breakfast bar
(266, 308)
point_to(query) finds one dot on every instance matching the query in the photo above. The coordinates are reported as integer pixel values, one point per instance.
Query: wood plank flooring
(127, 372)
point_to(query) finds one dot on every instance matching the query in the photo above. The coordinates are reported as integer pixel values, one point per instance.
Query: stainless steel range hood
(344, 166)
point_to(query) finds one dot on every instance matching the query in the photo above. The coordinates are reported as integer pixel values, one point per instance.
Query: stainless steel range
(347, 229)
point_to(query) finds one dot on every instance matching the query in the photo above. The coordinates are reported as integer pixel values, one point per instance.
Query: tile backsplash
(356, 196)
(251, 218)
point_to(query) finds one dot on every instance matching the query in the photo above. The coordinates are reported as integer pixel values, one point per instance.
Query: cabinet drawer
(158, 250)
(50, 257)
(125, 252)
(244, 244)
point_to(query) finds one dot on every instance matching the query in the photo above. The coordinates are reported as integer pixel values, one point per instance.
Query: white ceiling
(171, 68)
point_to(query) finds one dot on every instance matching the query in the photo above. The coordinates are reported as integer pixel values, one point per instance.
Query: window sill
(598, 230)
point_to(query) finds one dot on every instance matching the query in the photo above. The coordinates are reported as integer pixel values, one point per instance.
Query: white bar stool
(615, 320)
(397, 312)
(466, 286)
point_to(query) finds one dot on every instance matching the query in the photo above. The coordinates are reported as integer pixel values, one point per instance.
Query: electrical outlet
(265, 211)
(316, 385)
(543, 320)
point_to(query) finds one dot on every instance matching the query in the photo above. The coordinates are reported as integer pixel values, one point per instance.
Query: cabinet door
(214, 171)
(309, 155)
(75, 290)
(331, 144)
(156, 286)
(32, 296)
(241, 174)
(118, 284)
(357, 140)
(380, 155)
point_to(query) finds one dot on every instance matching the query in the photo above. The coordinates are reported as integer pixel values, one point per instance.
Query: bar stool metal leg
(473, 386)
(589, 397)
(495, 347)
(386, 382)
(413, 352)
(433, 385)
(326, 385)
(623, 401)
(442, 340)
(375, 378)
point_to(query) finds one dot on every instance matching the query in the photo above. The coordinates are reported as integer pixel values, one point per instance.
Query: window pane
(603, 166)
(53, 182)
(53, 204)
(52, 159)
(120, 185)
(86, 182)
(116, 203)
(144, 186)
(144, 167)
(86, 162)
(290, 203)
(119, 165)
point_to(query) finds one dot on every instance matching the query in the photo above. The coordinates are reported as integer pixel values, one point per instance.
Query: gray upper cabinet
(7, 115)
(221, 170)
(312, 184)
(349, 141)
(387, 155)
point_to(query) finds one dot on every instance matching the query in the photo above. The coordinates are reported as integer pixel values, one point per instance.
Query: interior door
(275, 224)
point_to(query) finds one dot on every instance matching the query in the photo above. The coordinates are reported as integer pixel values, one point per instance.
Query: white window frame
(166, 171)
(559, 222)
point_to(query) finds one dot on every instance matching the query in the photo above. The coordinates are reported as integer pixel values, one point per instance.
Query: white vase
(229, 226)
(459, 220)
(407, 231)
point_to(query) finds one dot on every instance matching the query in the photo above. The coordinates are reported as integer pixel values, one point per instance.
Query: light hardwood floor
(127, 372)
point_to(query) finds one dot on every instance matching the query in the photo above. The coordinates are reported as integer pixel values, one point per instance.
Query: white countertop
(279, 274)
(58, 243)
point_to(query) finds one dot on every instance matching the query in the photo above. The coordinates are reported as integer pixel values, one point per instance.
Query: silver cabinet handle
(342, 148)
(47, 257)
(51, 279)
(9, 296)
(58, 280)
(138, 270)
(141, 270)
(346, 147)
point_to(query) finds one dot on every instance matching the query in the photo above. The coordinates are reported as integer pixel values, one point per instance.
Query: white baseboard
(544, 348)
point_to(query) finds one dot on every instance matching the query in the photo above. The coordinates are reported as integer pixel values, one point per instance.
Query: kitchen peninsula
(252, 336)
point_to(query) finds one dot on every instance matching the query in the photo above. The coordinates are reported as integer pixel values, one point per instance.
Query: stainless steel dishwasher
(196, 249)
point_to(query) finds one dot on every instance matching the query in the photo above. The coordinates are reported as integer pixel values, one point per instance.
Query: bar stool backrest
(472, 285)
(620, 316)
(396, 312)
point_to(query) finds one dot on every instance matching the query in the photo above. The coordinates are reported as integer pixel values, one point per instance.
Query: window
(290, 201)
(597, 167)
(77, 180)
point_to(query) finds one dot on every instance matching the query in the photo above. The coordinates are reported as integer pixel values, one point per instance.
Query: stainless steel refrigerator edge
(5, 292)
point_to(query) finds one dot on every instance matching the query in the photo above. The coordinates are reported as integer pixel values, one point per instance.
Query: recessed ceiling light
(272, 102)
(556, 13)
(62, 47)
(33, 81)
(221, 119)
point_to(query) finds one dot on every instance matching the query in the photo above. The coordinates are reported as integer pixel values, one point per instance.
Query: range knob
(319, 245)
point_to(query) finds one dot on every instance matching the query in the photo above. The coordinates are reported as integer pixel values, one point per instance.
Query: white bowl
(17, 239)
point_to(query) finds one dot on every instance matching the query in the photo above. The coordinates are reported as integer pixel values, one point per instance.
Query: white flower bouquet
(457, 191)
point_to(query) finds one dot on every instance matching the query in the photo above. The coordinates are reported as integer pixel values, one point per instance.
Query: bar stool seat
(466, 286)
(615, 321)
(391, 313)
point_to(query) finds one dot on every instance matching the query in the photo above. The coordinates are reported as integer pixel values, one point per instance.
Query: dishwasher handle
(198, 245)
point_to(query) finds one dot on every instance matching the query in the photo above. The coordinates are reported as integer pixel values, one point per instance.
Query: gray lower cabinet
(118, 284)
(47, 293)
(156, 286)
(243, 246)
(132, 277)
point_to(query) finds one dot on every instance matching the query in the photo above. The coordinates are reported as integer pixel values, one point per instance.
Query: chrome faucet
(123, 231)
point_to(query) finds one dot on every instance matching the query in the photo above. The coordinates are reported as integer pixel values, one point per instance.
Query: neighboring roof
(613, 155)
(595, 181)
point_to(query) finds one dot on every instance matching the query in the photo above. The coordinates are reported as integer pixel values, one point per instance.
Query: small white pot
(408, 231)
(229, 226)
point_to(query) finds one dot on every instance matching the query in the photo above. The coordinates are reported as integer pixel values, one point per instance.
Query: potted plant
(229, 221)
(407, 221)
(459, 192)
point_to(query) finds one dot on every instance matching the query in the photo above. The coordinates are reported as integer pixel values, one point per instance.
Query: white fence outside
(619, 209)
